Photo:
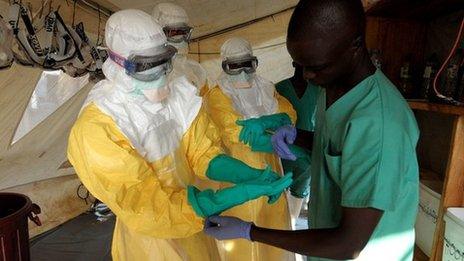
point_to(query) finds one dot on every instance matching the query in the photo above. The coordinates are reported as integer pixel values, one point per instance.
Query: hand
(223, 228)
(283, 136)
(251, 130)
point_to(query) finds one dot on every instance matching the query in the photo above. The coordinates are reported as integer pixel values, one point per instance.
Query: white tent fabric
(53, 90)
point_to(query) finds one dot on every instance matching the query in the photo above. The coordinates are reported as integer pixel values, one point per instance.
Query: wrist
(252, 233)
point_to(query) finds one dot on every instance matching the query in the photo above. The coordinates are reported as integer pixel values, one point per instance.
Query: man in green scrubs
(364, 176)
(303, 97)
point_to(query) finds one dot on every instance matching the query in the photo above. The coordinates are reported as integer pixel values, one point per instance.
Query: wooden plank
(436, 107)
(453, 191)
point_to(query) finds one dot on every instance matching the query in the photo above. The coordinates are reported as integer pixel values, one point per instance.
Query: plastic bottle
(460, 87)
(428, 76)
(376, 58)
(451, 75)
(406, 86)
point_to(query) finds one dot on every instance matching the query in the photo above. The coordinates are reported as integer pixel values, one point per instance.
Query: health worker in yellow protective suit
(175, 23)
(144, 146)
(244, 106)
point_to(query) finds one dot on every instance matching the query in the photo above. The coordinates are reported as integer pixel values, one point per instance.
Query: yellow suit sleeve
(117, 175)
(222, 113)
(202, 143)
(286, 107)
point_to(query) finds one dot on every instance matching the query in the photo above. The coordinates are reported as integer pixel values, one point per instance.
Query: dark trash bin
(14, 232)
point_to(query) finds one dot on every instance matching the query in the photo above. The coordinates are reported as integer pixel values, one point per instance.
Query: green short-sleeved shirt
(305, 106)
(364, 155)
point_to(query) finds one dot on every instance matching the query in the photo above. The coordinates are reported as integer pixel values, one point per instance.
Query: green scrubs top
(364, 155)
(305, 108)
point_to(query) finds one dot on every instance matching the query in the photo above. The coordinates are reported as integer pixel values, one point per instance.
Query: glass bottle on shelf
(376, 58)
(406, 86)
(451, 79)
(428, 76)
(460, 87)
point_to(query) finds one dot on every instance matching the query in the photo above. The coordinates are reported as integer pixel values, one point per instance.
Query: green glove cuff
(300, 187)
(192, 199)
(275, 121)
(298, 151)
(227, 169)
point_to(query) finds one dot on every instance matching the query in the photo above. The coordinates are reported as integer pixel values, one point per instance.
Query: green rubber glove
(262, 144)
(253, 128)
(208, 202)
(263, 179)
(301, 169)
(227, 169)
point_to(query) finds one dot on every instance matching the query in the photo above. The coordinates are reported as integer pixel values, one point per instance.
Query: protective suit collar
(251, 102)
(154, 129)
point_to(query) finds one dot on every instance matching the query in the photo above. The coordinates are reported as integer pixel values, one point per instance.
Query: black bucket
(14, 232)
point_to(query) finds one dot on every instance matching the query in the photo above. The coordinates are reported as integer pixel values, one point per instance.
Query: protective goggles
(238, 65)
(140, 66)
(178, 34)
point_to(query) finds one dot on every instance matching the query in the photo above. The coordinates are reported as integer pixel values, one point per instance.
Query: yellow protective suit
(154, 219)
(274, 216)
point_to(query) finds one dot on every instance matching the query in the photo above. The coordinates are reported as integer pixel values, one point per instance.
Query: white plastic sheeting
(53, 89)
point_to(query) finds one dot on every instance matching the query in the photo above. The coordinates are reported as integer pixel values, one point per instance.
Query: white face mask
(154, 91)
(241, 81)
(157, 95)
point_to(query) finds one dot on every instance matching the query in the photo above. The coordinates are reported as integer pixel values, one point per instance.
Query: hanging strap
(48, 57)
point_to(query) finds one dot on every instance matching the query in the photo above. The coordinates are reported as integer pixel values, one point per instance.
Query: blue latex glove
(223, 228)
(282, 137)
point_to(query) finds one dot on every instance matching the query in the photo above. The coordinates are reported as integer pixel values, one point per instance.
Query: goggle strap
(121, 61)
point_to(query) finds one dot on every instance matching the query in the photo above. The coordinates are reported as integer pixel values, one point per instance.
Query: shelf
(414, 9)
(436, 107)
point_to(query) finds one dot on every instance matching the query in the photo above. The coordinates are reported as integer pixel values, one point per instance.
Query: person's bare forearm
(325, 243)
(343, 242)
